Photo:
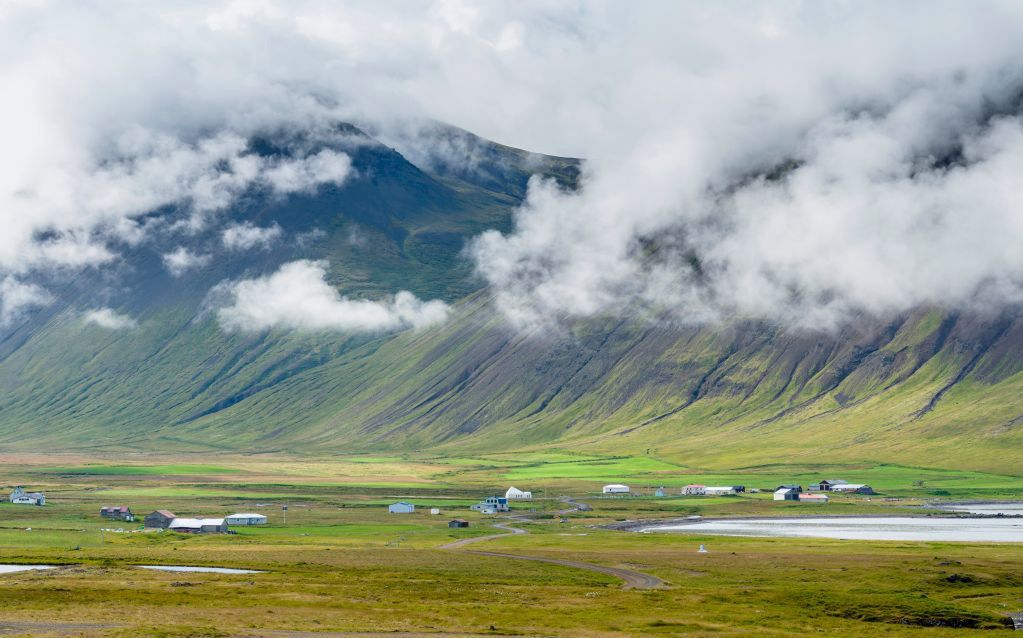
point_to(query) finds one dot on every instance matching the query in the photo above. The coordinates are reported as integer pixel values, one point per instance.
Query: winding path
(630, 579)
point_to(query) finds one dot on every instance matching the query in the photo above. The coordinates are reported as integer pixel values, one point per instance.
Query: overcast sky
(890, 132)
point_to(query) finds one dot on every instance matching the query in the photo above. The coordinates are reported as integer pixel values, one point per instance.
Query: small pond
(10, 569)
(904, 528)
(203, 570)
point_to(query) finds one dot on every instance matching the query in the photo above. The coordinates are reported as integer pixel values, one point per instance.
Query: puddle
(203, 570)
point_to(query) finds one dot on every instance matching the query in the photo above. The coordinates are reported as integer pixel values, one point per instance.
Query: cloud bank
(800, 162)
(17, 297)
(298, 297)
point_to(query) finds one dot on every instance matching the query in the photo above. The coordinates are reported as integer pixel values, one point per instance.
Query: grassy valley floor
(343, 565)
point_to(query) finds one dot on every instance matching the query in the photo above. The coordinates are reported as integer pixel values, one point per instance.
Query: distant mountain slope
(929, 388)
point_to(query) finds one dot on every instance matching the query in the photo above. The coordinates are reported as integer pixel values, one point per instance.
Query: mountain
(929, 387)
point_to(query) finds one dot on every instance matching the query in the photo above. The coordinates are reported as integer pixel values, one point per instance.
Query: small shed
(401, 508)
(659, 492)
(117, 513)
(616, 488)
(694, 489)
(786, 494)
(246, 519)
(435, 511)
(160, 519)
(458, 522)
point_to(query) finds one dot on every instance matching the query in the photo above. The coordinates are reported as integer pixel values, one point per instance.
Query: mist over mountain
(276, 229)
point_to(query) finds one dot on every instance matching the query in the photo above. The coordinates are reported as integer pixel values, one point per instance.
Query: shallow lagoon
(203, 570)
(11, 569)
(1006, 509)
(904, 528)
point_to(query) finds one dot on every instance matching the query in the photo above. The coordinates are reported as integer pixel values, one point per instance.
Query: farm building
(739, 489)
(694, 489)
(199, 525)
(515, 493)
(117, 513)
(434, 511)
(246, 519)
(826, 485)
(798, 488)
(659, 492)
(813, 498)
(495, 503)
(616, 488)
(401, 508)
(719, 491)
(786, 494)
(852, 488)
(458, 522)
(160, 519)
(20, 497)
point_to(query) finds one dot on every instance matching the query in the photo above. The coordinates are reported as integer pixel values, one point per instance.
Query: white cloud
(109, 319)
(298, 296)
(245, 236)
(181, 260)
(16, 298)
(678, 106)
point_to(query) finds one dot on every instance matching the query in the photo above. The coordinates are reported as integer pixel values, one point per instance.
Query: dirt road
(630, 579)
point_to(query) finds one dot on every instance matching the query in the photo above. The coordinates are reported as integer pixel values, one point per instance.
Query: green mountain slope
(928, 388)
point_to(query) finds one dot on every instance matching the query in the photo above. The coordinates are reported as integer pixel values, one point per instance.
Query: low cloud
(181, 260)
(245, 236)
(16, 298)
(109, 319)
(298, 296)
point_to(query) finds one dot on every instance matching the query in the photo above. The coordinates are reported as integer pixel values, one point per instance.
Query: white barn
(401, 508)
(515, 493)
(786, 494)
(246, 519)
(719, 491)
(616, 488)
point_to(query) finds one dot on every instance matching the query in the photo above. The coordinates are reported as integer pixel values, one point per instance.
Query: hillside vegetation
(930, 387)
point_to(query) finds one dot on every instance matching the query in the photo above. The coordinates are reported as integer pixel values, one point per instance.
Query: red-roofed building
(117, 513)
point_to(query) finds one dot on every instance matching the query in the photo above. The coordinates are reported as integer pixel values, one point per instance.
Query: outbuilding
(694, 489)
(719, 491)
(515, 493)
(401, 508)
(659, 492)
(852, 488)
(199, 525)
(616, 488)
(458, 522)
(246, 519)
(117, 513)
(786, 494)
(827, 485)
(160, 519)
(813, 498)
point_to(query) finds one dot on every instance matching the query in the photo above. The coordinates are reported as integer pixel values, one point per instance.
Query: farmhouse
(719, 491)
(694, 489)
(401, 508)
(21, 497)
(117, 513)
(458, 522)
(616, 488)
(160, 519)
(199, 525)
(246, 519)
(517, 494)
(492, 505)
(813, 498)
(786, 494)
(853, 488)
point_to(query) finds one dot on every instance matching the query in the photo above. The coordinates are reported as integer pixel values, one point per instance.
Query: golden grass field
(343, 566)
